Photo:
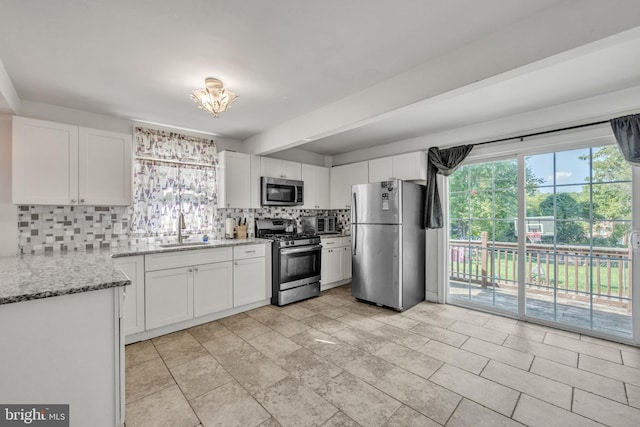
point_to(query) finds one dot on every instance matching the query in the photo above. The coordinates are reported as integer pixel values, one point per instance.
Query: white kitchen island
(61, 335)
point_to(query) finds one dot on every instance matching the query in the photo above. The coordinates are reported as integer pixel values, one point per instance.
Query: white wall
(301, 156)
(8, 212)
(55, 113)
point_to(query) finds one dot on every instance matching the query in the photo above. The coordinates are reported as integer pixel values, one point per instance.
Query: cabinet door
(291, 170)
(104, 168)
(249, 281)
(321, 188)
(316, 187)
(168, 296)
(276, 168)
(342, 178)
(212, 288)
(346, 262)
(44, 162)
(331, 267)
(380, 169)
(234, 180)
(133, 268)
(410, 166)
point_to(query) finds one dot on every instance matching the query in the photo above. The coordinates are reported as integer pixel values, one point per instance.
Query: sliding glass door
(578, 223)
(567, 261)
(483, 251)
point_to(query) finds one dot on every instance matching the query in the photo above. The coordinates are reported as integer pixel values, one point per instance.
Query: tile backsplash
(59, 228)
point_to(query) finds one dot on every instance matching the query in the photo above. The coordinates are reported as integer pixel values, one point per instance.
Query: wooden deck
(612, 318)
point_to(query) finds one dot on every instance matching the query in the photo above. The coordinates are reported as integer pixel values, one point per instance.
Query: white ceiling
(139, 60)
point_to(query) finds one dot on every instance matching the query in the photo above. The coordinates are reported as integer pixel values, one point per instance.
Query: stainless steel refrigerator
(388, 243)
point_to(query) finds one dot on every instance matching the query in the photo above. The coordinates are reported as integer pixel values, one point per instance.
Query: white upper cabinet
(316, 187)
(238, 180)
(59, 164)
(342, 178)
(380, 169)
(45, 162)
(408, 167)
(104, 168)
(275, 168)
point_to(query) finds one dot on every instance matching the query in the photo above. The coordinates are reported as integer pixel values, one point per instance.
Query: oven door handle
(286, 251)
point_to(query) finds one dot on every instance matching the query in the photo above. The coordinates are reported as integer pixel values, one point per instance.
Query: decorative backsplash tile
(343, 215)
(58, 228)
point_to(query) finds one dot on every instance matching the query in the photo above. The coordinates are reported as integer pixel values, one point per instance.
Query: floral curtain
(173, 174)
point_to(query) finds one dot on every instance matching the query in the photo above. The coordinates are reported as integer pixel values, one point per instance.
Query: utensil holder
(241, 231)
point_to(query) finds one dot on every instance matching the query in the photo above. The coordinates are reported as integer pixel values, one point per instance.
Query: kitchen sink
(183, 244)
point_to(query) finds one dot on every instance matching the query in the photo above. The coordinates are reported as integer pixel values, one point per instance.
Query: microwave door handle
(354, 219)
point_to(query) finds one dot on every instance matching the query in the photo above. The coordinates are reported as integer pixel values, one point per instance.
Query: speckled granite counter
(29, 277)
(157, 248)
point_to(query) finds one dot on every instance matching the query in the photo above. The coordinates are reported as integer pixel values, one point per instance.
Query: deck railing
(598, 272)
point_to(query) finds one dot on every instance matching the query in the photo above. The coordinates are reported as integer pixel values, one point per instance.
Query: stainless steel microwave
(281, 192)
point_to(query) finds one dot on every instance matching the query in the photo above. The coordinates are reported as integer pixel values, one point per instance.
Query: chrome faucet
(181, 226)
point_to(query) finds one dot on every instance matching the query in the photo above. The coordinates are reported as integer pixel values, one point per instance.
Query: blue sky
(569, 169)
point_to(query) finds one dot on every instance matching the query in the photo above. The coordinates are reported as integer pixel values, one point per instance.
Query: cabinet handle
(195, 269)
(249, 252)
(235, 263)
(81, 200)
(190, 270)
(73, 200)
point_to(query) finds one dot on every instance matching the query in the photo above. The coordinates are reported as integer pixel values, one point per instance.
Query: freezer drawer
(376, 257)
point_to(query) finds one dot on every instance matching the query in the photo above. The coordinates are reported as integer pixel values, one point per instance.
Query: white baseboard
(431, 297)
(152, 333)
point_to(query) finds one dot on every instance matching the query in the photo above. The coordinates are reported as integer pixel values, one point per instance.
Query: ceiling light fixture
(214, 98)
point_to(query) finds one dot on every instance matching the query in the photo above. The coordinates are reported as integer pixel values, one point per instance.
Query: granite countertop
(155, 248)
(28, 277)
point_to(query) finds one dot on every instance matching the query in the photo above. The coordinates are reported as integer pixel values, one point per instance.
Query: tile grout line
(176, 381)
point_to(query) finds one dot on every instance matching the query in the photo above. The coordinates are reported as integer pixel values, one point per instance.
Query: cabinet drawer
(331, 242)
(186, 258)
(248, 251)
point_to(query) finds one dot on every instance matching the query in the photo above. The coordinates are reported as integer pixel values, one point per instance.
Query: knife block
(241, 231)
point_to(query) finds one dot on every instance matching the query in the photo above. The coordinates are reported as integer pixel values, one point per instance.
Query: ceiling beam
(559, 29)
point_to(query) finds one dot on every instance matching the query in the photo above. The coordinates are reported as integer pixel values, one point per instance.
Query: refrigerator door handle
(354, 221)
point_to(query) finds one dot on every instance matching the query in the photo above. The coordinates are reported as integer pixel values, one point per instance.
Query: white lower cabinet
(331, 267)
(336, 260)
(133, 268)
(212, 288)
(249, 281)
(168, 296)
(175, 290)
(346, 261)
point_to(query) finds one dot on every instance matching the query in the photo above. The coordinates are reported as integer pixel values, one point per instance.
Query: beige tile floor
(334, 361)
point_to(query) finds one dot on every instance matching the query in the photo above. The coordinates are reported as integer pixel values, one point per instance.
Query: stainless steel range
(295, 261)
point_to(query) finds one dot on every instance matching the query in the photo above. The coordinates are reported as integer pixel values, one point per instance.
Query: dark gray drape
(627, 132)
(444, 162)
